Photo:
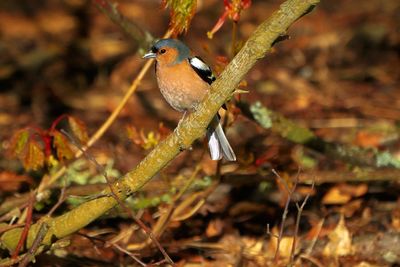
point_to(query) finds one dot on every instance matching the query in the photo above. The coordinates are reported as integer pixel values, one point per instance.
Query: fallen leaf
(340, 243)
(343, 193)
(396, 217)
(285, 245)
(367, 139)
(214, 228)
(11, 182)
(350, 208)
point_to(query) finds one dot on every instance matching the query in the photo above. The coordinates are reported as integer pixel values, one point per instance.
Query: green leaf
(79, 129)
(62, 146)
(182, 12)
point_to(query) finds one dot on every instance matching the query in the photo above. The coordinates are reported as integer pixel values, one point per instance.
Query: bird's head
(168, 51)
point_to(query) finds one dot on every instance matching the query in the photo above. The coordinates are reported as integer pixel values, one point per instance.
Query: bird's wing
(202, 69)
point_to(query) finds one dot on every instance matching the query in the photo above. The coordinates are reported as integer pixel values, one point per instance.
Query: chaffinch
(184, 80)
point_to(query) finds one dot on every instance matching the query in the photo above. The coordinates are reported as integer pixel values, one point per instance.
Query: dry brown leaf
(367, 139)
(350, 208)
(214, 228)
(340, 242)
(57, 23)
(285, 246)
(396, 217)
(17, 26)
(10, 182)
(343, 193)
(247, 207)
(366, 264)
(335, 196)
(208, 165)
(317, 230)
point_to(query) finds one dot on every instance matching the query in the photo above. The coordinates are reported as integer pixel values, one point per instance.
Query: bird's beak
(150, 55)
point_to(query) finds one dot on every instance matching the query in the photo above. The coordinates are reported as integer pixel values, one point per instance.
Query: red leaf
(62, 146)
(232, 9)
(18, 142)
(79, 129)
(33, 158)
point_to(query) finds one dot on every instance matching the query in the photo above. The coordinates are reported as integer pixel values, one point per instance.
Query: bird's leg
(182, 146)
(183, 117)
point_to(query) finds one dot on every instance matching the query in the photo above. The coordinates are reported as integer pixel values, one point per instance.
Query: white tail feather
(218, 143)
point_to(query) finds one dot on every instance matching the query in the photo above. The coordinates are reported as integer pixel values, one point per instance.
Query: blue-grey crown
(184, 51)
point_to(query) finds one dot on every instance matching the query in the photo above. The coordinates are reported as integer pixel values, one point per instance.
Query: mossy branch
(293, 132)
(191, 128)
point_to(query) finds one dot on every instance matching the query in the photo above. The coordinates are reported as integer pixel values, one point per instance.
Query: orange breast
(181, 86)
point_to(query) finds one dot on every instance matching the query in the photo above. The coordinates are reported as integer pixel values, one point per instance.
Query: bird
(184, 80)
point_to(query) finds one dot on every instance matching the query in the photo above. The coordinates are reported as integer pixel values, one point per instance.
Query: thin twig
(268, 232)
(5, 228)
(313, 260)
(10, 262)
(104, 127)
(170, 212)
(13, 203)
(28, 223)
(315, 238)
(92, 240)
(61, 199)
(140, 35)
(285, 211)
(130, 254)
(101, 169)
(35, 245)
(234, 37)
(298, 217)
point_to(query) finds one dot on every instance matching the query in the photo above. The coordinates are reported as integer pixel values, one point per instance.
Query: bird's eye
(162, 51)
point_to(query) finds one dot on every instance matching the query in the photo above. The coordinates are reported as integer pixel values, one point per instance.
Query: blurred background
(336, 75)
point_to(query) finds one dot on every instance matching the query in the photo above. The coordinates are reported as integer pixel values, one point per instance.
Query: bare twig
(28, 223)
(285, 210)
(103, 128)
(61, 199)
(130, 254)
(268, 232)
(101, 169)
(137, 33)
(300, 209)
(35, 245)
(315, 238)
(13, 203)
(10, 262)
(172, 212)
(5, 228)
(313, 260)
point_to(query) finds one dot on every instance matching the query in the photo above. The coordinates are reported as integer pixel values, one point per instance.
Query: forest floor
(337, 75)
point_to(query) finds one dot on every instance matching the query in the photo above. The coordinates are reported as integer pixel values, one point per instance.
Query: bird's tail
(217, 142)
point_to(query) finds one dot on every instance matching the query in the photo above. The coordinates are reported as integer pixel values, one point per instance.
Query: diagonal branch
(191, 128)
(142, 37)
